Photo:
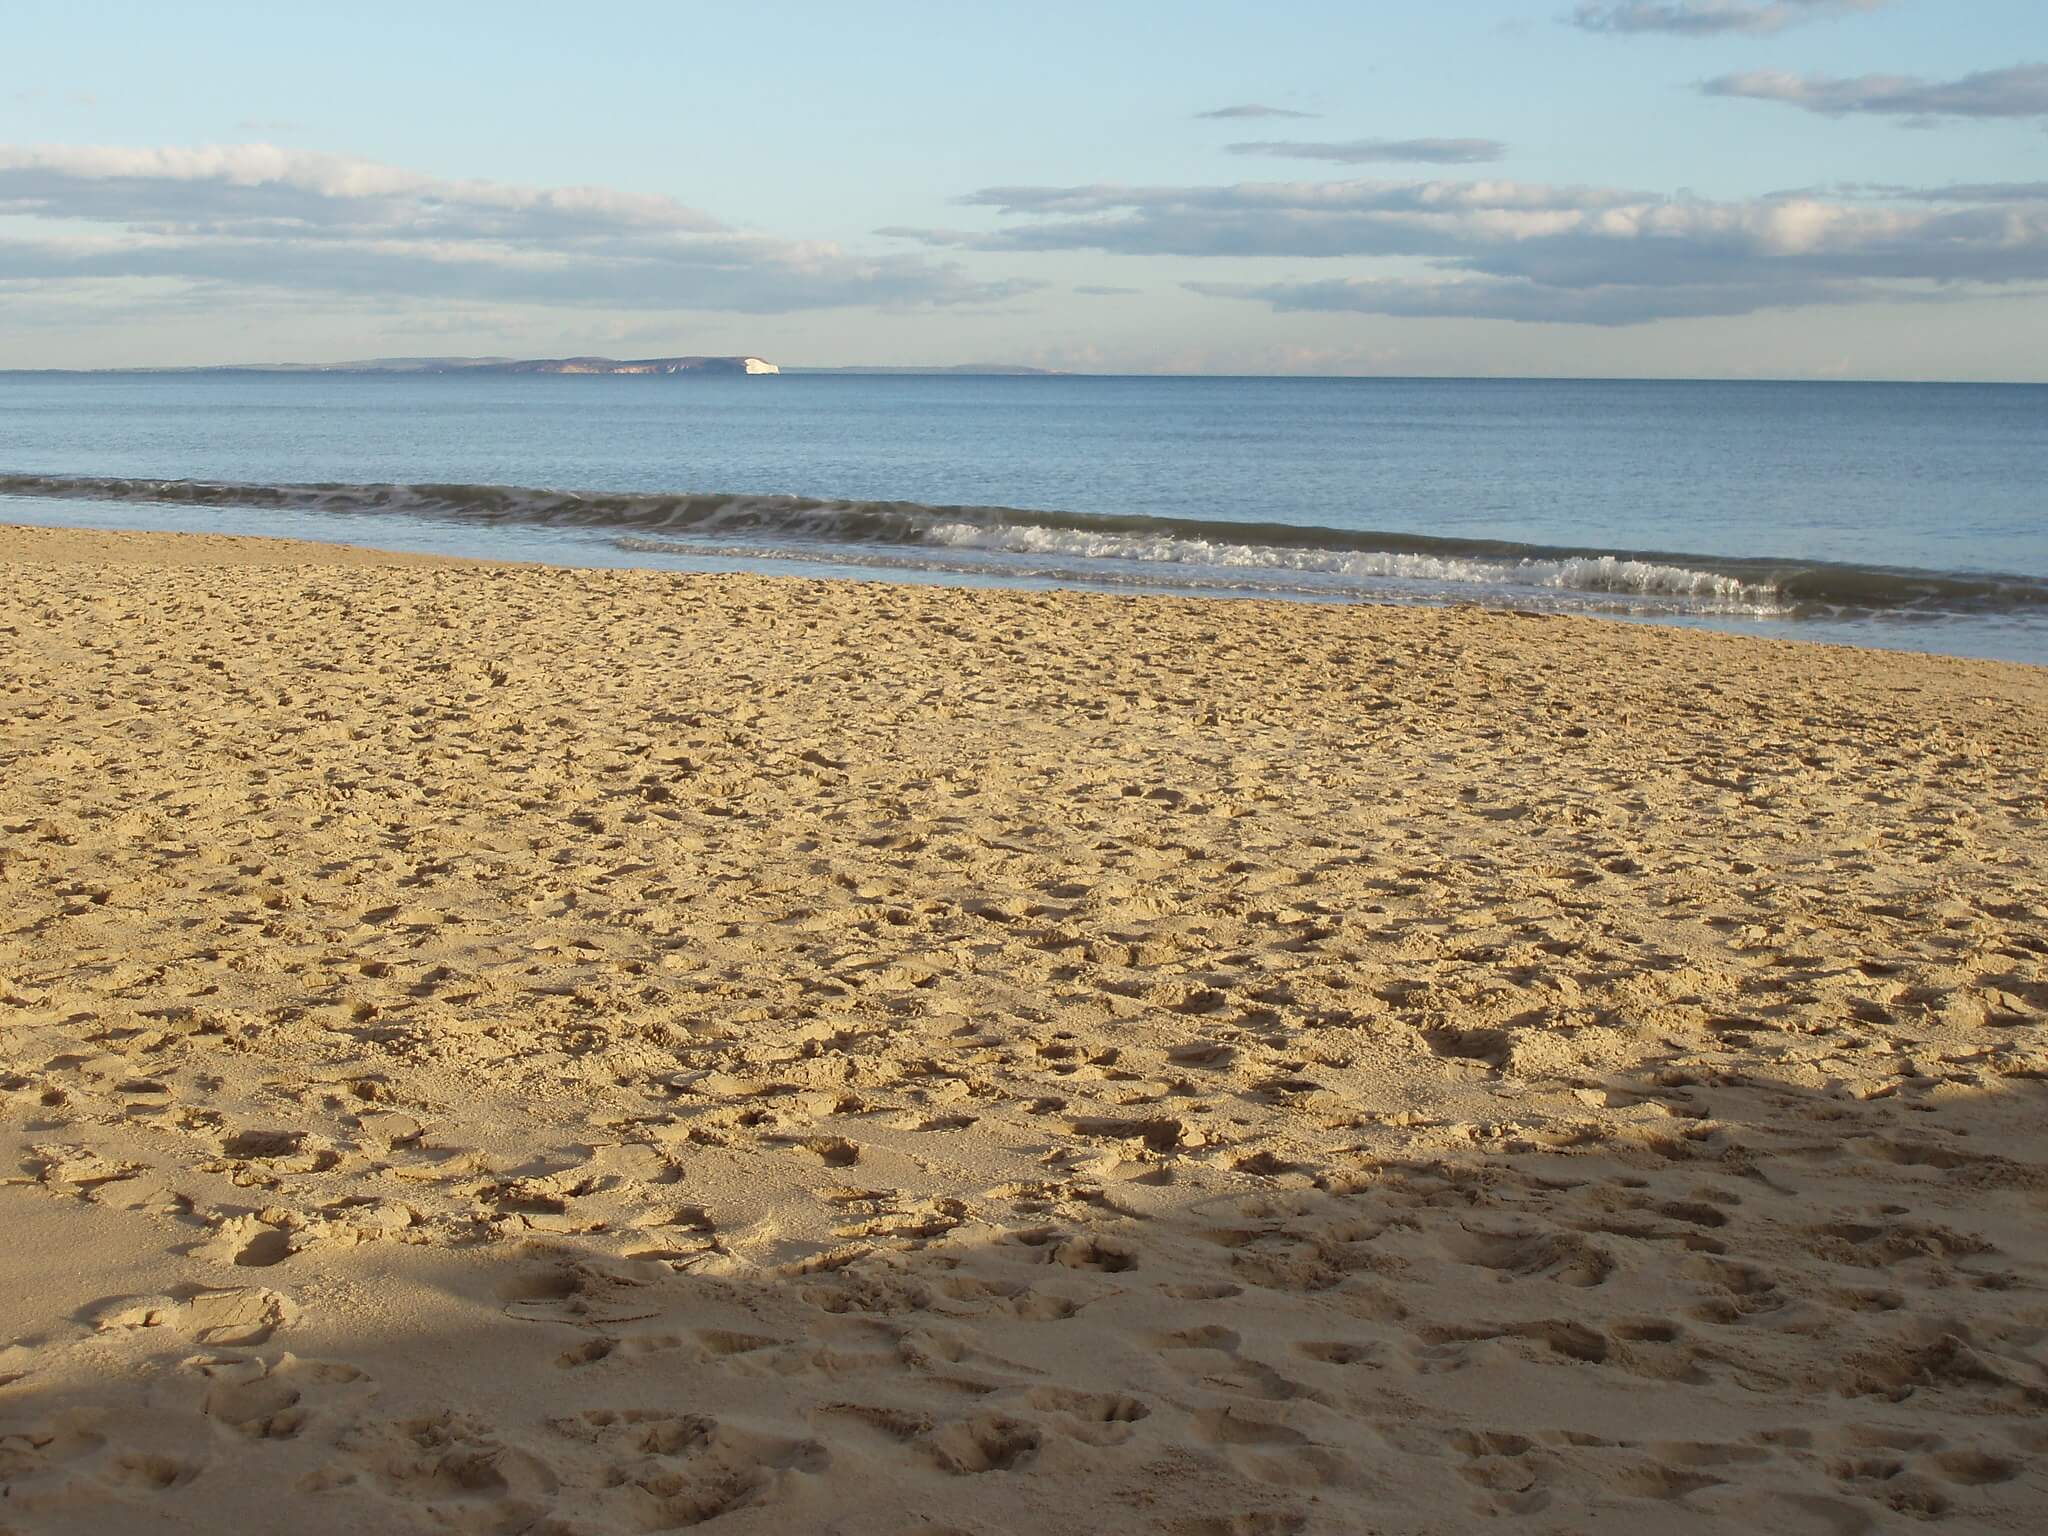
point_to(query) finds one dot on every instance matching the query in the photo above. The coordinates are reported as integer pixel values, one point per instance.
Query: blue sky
(1652, 187)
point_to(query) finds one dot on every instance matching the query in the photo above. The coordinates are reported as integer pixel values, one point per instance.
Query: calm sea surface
(1896, 515)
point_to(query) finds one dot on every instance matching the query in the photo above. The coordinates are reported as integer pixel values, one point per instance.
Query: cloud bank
(1369, 151)
(1963, 192)
(1711, 18)
(2019, 92)
(1254, 109)
(1524, 251)
(254, 216)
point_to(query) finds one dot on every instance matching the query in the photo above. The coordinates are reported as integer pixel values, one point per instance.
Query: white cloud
(1962, 192)
(2019, 92)
(1254, 109)
(252, 216)
(1507, 299)
(1524, 251)
(1710, 18)
(1310, 196)
(1374, 151)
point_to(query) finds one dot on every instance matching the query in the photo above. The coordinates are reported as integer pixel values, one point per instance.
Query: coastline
(628, 1049)
(1848, 518)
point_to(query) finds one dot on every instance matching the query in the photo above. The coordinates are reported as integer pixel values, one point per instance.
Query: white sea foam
(1582, 573)
(1156, 551)
(1292, 573)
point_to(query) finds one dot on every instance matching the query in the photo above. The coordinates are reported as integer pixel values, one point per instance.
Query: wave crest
(1170, 549)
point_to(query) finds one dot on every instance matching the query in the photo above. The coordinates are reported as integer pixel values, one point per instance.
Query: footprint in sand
(671, 1471)
(1523, 1255)
(1342, 1352)
(1098, 1418)
(271, 1400)
(151, 1473)
(1209, 1055)
(246, 1241)
(261, 1153)
(832, 1151)
(78, 1170)
(1970, 1468)
(1092, 1253)
(1510, 1468)
(46, 1449)
(1260, 1523)
(1736, 1291)
(709, 1345)
(1272, 1452)
(238, 1317)
(1207, 1336)
(899, 1425)
(1226, 1426)
(988, 1443)
(440, 1458)
(582, 1290)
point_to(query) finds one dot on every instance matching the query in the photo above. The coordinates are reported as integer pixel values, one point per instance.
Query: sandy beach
(498, 1049)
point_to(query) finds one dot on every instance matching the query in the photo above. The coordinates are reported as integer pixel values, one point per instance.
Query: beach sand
(504, 1049)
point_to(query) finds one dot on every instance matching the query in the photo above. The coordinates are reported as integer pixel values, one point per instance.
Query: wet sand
(503, 1049)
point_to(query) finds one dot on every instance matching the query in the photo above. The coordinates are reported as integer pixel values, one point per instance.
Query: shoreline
(509, 1047)
(972, 371)
(1777, 631)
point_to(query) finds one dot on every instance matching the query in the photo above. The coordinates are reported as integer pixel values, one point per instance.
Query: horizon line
(1035, 371)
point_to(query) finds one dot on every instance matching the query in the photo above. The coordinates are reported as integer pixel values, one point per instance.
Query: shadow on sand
(1715, 1303)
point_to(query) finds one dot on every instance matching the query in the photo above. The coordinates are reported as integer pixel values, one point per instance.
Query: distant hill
(657, 365)
(634, 365)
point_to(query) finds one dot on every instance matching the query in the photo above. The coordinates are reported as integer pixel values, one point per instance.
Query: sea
(1891, 516)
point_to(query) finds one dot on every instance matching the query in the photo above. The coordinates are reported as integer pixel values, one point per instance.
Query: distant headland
(617, 365)
(490, 365)
(614, 365)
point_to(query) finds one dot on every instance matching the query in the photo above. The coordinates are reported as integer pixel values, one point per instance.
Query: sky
(1644, 188)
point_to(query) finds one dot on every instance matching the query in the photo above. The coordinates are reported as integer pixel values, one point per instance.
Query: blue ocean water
(1894, 515)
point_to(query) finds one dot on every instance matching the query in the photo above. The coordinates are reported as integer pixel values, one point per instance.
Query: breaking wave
(1162, 551)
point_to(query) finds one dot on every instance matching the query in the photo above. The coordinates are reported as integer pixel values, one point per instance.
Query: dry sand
(492, 1049)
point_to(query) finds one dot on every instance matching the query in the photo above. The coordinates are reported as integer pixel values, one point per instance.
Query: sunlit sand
(501, 1049)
